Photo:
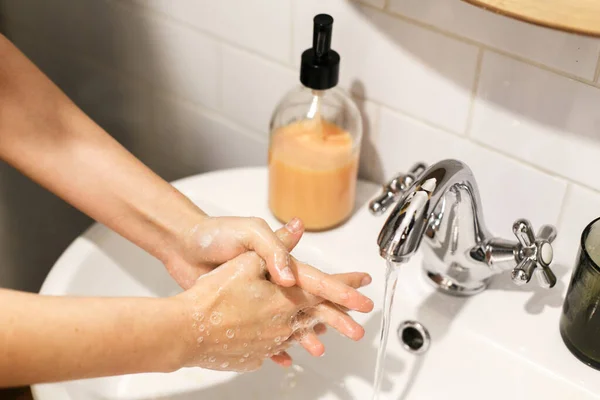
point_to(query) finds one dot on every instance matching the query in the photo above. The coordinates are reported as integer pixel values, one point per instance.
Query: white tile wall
(543, 118)
(259, 25)
(567, 52)
(247, 98)
(190, 85)
(405, 66)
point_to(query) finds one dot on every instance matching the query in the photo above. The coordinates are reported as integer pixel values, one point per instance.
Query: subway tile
(401, 65)
(540, 117)
(252, 87)
(509, 189)
(571, 53)
(187, 141)
(259, 25)
(581, 207)
(128, 39)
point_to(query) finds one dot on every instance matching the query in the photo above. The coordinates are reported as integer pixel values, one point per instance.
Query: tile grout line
(597, 72)
(534, 166)
(474, 92)
(485, 46)
(563, 203)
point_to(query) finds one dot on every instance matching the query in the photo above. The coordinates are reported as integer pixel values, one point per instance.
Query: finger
(311, 343)
(267, 245)
(320, 329)
(339, 289)
(290, 233)
(339, 320)
(283, 359)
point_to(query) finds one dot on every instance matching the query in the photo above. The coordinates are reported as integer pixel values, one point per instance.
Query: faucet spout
(442, 207)
(406, 226)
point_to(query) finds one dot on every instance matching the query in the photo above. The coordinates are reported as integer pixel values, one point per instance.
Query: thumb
(290, 233)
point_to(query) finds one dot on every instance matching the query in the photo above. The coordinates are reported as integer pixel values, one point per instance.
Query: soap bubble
(242, 360)
(230, 334)
(207, 332)
(246, 355)
(216, 318)
(225, 365)
(201, 327)
(278, 339)
(225, 347)
(200, 340)
(245, 344)
(217, 341)
(212, 359)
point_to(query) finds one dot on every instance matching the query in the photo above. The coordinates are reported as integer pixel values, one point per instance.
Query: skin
(43, 338)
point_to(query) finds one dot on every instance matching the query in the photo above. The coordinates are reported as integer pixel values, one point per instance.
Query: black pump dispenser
(320, 66)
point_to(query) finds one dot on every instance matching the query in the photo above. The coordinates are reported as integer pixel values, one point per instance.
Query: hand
(234, 318)
(211, 241)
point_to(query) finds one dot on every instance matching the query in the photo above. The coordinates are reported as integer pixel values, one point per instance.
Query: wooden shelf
(577, 16)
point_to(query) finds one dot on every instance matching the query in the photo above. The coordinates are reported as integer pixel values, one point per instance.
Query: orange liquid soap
(313, 167)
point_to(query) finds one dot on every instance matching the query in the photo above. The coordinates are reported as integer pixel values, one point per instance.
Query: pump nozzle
(320, 65)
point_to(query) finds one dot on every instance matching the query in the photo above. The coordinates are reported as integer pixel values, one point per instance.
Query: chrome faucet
(441, 206)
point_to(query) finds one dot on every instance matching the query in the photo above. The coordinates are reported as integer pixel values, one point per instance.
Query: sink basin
(501, 344)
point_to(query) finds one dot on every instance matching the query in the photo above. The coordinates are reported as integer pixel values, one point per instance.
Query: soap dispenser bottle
(316, 132)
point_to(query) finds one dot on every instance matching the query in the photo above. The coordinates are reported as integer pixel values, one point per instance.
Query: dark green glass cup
(580, 320)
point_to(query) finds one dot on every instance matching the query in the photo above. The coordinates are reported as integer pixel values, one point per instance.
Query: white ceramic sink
(501, 344)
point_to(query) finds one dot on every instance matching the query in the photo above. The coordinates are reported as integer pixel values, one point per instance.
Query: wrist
(174, 342)
(180, 217)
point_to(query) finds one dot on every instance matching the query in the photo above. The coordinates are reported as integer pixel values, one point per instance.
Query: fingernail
(294, 225)
(287, 274)
(365, 281)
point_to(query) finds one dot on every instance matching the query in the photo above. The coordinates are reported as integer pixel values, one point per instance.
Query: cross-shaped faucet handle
(534, 254)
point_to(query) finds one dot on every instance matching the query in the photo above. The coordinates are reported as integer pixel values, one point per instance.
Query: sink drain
(414, 337)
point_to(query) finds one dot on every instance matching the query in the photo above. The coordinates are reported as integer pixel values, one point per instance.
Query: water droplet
(225, 346)
(268, 347)
(217, 341)
(201, 327)
(278, 339)
(212, 358)
(216, 318)
(225, 365)
(200, 317)
(230, 334)
(242, 360)
(258, 333)
(245, 344)
(207, 332)
(275, 317)
(246, 355)
(269, 355)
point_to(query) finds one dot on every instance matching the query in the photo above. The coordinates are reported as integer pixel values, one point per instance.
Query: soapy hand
(211, 241)
(237, 318)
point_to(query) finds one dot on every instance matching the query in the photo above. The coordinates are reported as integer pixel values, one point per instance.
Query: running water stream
(391, 278)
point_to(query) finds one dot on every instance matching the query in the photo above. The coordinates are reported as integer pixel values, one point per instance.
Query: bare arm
(47, 338)
(48, 138)
(51, 140)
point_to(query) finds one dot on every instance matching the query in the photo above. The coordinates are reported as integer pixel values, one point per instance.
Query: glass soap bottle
(316, 131)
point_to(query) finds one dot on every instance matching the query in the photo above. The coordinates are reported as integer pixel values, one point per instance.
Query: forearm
(48, 138)
(47, 338)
